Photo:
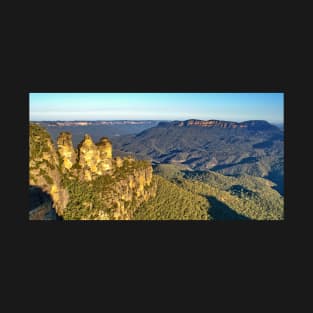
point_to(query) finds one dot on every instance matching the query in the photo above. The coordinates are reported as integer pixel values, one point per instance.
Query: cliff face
(86, 183)
(94, 159)
(133, 191)
(119, 198)
(66, 151)
(212, 123)
(44, 173)
(250, 125)
(41, 205)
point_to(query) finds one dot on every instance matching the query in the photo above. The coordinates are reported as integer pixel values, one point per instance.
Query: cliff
(45, 175)
(249, 125)
(66, 151)
(111, 197)
(94, 159)
(84, 183)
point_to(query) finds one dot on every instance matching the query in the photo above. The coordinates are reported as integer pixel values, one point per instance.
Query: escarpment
(85, 183)
(111, 197)
(248, 125)
(44, 174)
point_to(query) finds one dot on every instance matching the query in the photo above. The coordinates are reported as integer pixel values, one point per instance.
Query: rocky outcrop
(44, 170)
(94, 159)
(133, 192)
(125, 195)
(66, 150)
(105, 148)
(118, 162)
(104, 187)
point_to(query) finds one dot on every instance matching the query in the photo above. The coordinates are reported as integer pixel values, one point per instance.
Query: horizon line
(110, 120)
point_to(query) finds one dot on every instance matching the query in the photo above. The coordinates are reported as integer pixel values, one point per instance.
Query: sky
(156, 106)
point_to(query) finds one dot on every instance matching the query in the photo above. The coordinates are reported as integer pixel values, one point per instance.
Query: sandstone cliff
(250, 125)
(94, 159)
(66, 151)
(85, 183)
(212, 123)
(111, 197)
(44, 172)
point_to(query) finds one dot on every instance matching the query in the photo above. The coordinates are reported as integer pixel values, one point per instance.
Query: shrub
(48, 179)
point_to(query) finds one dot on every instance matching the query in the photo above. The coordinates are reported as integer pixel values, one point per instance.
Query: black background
(67, 51)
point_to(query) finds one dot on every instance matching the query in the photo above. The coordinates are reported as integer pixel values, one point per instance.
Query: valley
(255, 148)
(156, 170)
(96, 129)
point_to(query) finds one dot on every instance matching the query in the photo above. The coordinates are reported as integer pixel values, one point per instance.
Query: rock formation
(44, 168)
(212, 123)
(90, 160)
(94, 159)
(105, 148)
(251, 125)
(105, 154)
(66, 150)
(126, 194)
(104, 187)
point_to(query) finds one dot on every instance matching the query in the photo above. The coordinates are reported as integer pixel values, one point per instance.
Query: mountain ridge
(249, 124)
(90, 183)
(255, 149)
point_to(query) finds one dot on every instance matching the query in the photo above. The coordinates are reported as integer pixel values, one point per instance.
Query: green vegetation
(230, 197)
(255, 189)
(169, 171)
(257, 152)
(129, 167)
(48, 179)
(42, 172)
(184, 191)
(257, 208)
(84, 201)
(38, 141)
(50, 166)
(173, 203)
(87, 200)
(76, 166)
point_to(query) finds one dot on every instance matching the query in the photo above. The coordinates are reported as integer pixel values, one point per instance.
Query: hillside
(173, 203)
(87, 183)
(253, 147)
(242, 197)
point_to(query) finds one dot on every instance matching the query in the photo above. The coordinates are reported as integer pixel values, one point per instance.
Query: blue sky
(156, 106)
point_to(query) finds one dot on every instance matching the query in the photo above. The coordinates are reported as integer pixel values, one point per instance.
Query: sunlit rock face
(88, 156)
(105, 148)
(105, 154)
(117, 187)
(212, 123)
(44, 172)
(66, 150)
(94, 159)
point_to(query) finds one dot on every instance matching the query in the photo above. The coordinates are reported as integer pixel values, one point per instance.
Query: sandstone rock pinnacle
(66, 150)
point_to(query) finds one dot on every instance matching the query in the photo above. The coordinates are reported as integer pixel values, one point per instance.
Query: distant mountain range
(201, 170)
(251, 147)
(94, 123)
(231, 148)
(96, 129)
